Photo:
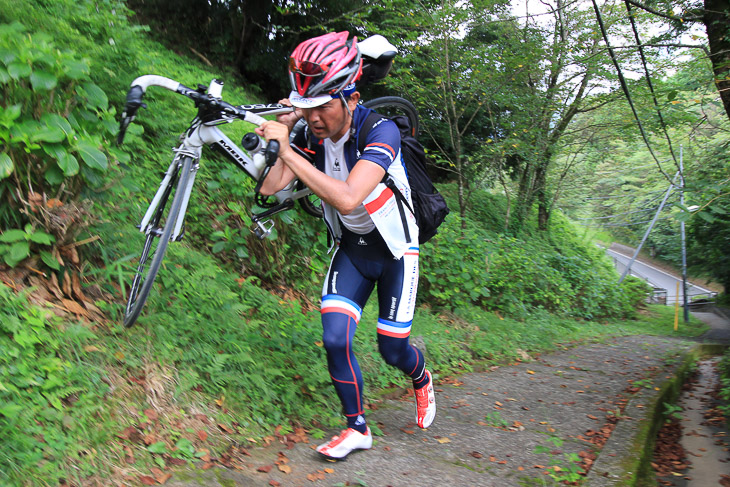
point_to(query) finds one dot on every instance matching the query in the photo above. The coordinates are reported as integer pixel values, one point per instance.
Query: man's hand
(289, 119)
(271, 130)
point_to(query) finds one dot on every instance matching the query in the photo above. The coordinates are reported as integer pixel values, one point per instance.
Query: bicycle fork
(166, 186)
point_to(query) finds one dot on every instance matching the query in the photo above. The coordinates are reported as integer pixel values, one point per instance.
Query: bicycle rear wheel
(395, 105)
(157, 237)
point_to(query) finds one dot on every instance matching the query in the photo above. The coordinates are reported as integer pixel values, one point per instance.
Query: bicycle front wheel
(157, 236)
(391, 106)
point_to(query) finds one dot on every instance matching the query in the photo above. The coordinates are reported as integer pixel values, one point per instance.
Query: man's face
(330, 120)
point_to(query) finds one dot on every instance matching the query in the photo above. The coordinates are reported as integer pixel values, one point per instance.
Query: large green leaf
(6, 166)
(50, 260)
(76, 69)
(92, 156)
(42, 238)
(8, 114)
(68, 164)
(18, 251)
(54, 175)
(48, 134)
(55, 120)
(18, 70)
(95, 95)
(12, 236)
(42, 80)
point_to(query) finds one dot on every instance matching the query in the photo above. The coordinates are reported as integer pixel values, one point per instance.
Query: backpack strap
(400, 200)
(368, 124)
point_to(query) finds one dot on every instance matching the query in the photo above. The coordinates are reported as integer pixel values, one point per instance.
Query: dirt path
(491, 425)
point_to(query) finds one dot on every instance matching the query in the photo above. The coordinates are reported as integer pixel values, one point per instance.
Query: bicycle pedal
(263, 229)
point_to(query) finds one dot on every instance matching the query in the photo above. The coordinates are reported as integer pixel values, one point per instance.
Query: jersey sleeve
(382, 144)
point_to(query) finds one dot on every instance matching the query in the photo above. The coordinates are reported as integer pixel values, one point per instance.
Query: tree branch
(661, 14)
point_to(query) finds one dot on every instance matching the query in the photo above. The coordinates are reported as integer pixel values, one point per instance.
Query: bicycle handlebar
(200, 97)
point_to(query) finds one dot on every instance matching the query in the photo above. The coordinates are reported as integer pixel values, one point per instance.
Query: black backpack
(429, 206)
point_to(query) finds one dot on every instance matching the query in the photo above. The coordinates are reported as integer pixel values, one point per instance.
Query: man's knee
(392, 350)
(335, 343)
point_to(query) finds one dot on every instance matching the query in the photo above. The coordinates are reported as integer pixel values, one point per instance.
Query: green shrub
(55, 125)
(454, 266)
(51, 400)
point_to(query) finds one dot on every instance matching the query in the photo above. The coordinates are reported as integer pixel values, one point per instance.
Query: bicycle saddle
(378, 55)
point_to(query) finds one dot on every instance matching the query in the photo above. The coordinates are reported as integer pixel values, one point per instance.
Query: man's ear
(353, 100)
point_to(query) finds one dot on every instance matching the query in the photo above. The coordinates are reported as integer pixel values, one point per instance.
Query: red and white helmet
(322, 67)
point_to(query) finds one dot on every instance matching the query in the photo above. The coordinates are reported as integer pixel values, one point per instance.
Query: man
(362, 215)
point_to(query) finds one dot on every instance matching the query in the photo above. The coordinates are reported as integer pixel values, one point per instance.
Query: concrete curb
(625, 459)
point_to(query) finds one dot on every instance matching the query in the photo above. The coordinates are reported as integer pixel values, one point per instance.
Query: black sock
(422, 381)
(358, 423)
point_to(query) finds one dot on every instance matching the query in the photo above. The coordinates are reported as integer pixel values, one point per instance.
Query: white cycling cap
(300, 101)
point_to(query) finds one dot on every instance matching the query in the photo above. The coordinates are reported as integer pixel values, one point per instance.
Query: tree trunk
(717, 23)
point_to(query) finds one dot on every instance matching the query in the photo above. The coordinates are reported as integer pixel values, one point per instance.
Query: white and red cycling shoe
(425, 404)
(343, 444)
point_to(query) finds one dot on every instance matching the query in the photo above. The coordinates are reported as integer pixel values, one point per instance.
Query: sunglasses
(306, 68)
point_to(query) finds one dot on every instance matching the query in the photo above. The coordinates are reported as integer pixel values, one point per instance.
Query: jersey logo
(362, 241)
(336, 165)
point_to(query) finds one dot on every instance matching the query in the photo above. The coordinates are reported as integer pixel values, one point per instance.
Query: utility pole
(648, 230)
(682, 236)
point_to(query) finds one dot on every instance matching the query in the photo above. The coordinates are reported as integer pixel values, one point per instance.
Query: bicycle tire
(145, 275)
(310, 203)
(395, 105)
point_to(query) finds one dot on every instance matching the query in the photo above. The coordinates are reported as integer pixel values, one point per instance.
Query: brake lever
(133, 103)
(271, 154)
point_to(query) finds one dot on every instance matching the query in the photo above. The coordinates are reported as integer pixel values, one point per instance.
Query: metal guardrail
(662, 296)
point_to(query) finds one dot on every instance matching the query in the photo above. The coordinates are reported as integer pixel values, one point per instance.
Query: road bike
(163, 222)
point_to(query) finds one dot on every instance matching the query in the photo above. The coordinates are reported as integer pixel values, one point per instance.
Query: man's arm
(344, 196)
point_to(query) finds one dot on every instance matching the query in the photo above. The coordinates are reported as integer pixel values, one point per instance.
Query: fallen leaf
(225, 428)
(476, 454)
(443, 440)
(147, 480)
(151, 414)
(318, 475)
(274, 483)
(76, 288)
(265, 468)
(329, 470)
(530, 371)
(74, 307)
(207, 465)
(285, 468)
(162, 477)
(202, 435)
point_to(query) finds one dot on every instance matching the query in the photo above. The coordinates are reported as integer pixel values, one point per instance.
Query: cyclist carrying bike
(362, 215)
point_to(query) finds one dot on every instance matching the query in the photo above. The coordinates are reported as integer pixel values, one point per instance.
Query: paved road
(491, 426)
(657, 277)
